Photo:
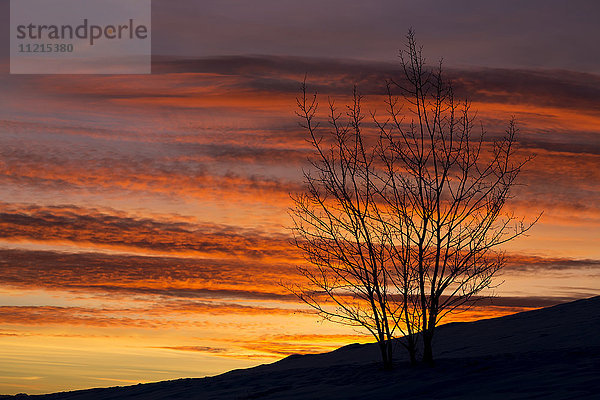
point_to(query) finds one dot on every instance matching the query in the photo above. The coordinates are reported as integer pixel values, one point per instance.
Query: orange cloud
(91, 226)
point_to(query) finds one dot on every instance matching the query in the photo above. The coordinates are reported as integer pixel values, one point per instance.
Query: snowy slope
(552, 353)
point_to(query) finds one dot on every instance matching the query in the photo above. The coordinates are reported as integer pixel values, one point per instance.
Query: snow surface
(552, 353)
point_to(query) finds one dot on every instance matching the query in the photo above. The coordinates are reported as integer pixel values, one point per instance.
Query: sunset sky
(143, 220)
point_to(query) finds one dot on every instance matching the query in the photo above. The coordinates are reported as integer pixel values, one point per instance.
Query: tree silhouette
(446, 187)
(401, 226)
(336, 224)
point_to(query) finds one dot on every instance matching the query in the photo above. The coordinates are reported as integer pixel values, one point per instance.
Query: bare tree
(401, 227)
(445, 187)
(336, 225)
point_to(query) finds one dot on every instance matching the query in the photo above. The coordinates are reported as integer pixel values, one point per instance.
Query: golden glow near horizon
(143, 233)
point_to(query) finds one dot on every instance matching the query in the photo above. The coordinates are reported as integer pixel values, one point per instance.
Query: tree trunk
(428, 347)
(386, 354)
(412, 350)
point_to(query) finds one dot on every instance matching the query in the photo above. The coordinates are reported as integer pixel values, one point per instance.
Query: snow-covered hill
(552, 353)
